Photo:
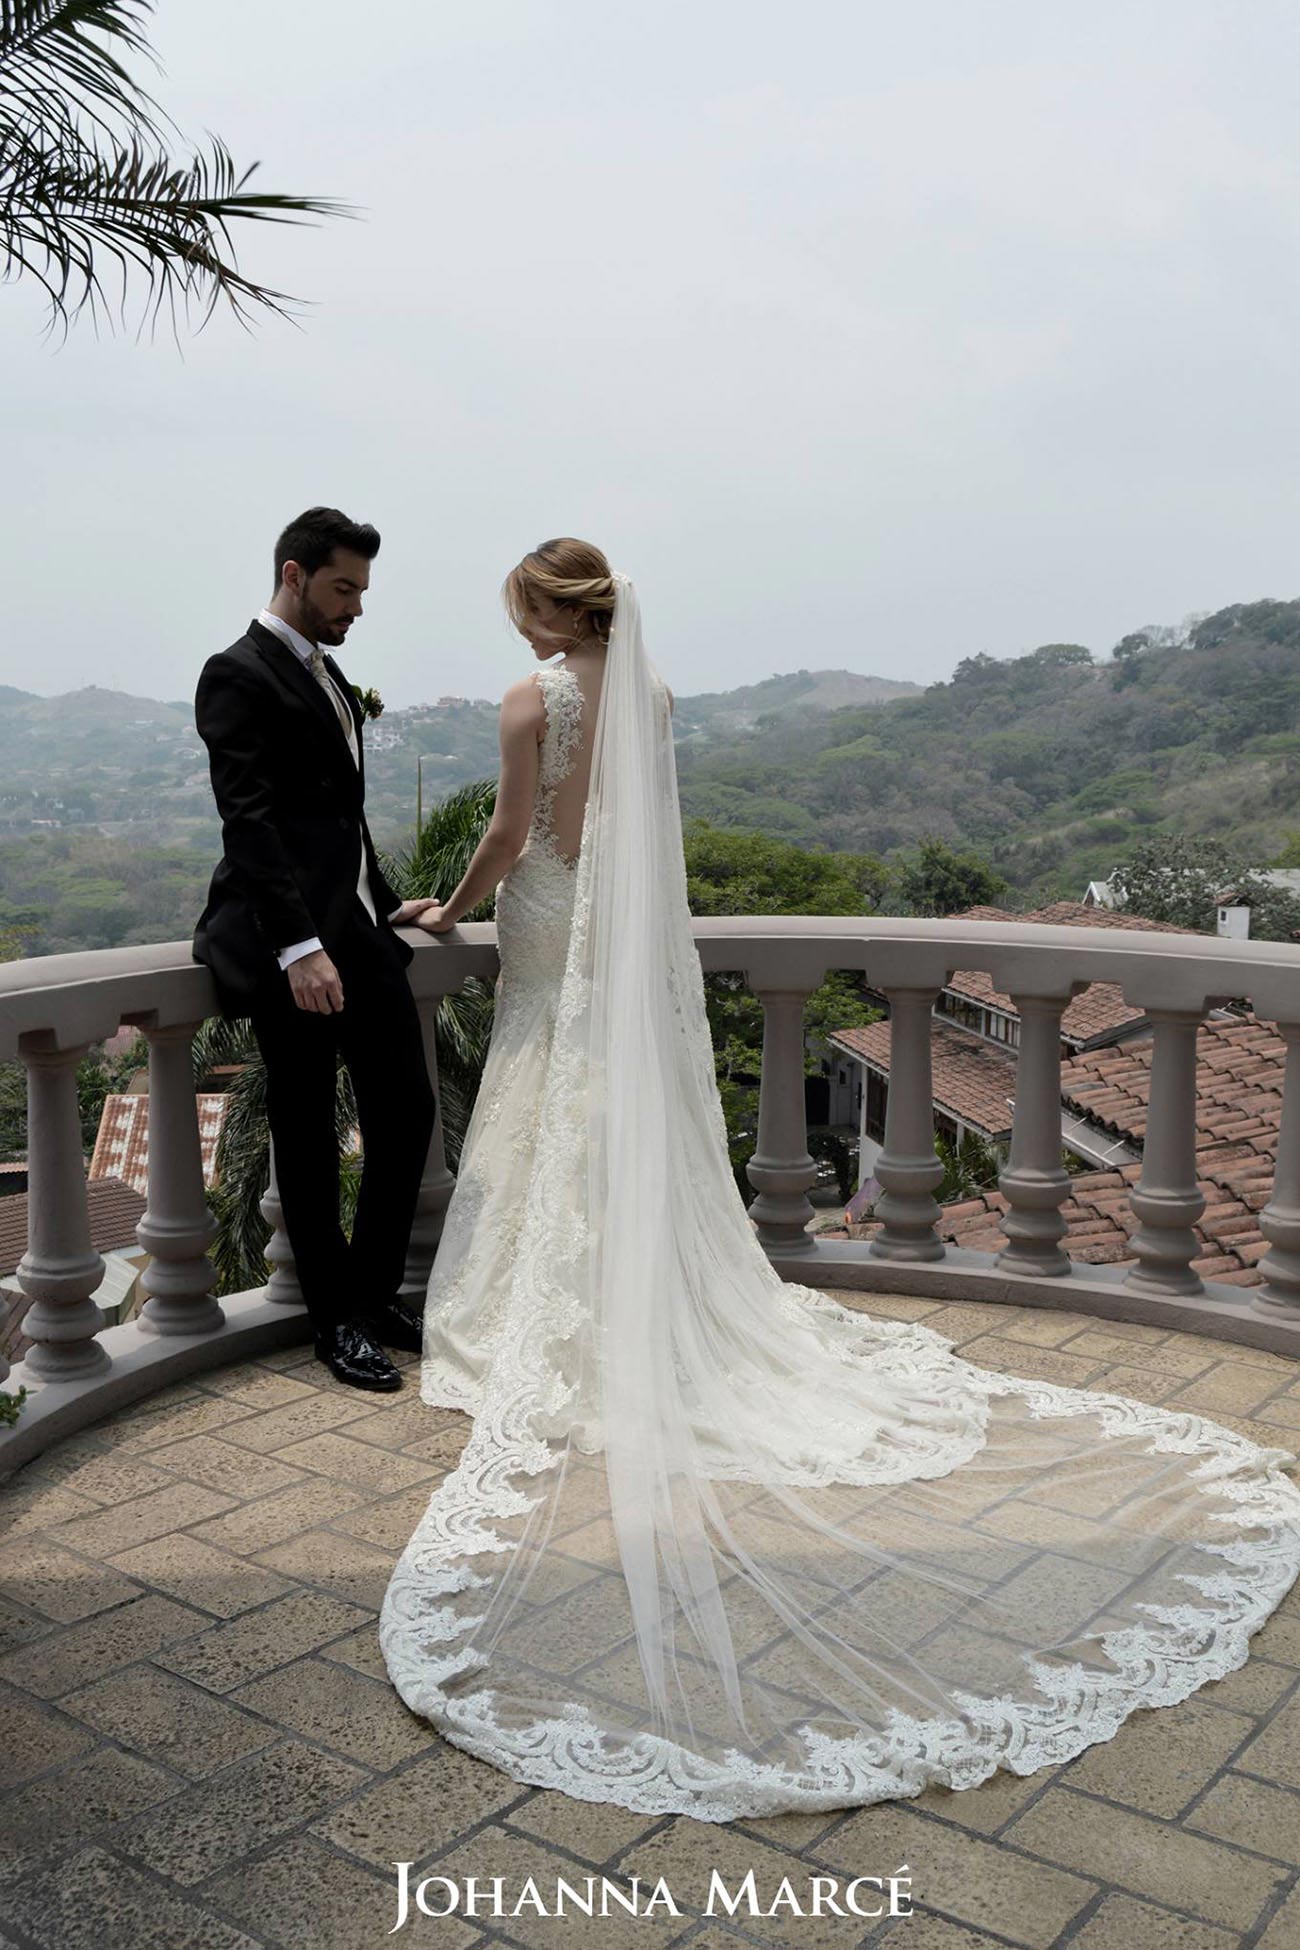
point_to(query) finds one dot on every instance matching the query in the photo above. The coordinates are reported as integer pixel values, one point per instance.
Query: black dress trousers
(378, 1035)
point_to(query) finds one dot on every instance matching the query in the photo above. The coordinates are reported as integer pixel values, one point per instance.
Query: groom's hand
(410, 911)
(314, 984)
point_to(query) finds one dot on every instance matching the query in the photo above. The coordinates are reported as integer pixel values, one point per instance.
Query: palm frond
(50, 66)
(85, 176)
(437, 857)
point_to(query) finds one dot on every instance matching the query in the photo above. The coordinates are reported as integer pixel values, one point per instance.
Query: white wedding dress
(718, 1545)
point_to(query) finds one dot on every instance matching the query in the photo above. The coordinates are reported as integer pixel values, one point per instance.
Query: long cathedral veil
(722, 1546)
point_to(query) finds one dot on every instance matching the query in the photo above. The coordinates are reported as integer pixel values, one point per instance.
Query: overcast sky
(861, 335)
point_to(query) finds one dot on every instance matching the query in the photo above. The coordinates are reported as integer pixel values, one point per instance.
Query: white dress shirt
(303, 650)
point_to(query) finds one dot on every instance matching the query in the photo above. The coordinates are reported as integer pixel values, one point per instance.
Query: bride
(718, 1545)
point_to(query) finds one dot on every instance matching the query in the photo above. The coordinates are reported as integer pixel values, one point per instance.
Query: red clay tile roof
(1101, 1009)
(971, 1080)
(122, 1146)
(1239, 1074)
(113, 1207)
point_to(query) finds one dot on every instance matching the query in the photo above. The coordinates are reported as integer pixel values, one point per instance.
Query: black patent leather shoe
(394, 1325)
(350, 1352)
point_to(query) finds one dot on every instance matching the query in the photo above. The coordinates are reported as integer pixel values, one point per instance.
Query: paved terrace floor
(199, 1747)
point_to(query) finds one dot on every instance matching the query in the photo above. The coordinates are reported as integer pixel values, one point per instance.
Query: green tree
(1177, 877)
(88, 188)
(744, 873)
(942, 881)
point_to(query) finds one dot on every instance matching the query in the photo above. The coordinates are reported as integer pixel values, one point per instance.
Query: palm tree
(432, 864)
(85, 173)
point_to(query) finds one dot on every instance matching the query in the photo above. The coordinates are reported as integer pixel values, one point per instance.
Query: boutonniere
(372, 705)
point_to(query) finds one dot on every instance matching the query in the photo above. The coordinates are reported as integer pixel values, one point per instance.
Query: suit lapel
(293, 672)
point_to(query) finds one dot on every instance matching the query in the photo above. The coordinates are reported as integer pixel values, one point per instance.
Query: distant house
(1105, 1083)
(977, 1035)
(1233, 904)
(122, 1145)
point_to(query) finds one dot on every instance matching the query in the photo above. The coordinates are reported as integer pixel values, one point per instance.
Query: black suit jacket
(292, 805)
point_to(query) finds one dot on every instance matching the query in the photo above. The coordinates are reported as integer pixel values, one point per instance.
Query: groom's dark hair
(313, 537)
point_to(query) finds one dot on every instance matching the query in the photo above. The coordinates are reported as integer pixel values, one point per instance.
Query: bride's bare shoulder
(523, 711)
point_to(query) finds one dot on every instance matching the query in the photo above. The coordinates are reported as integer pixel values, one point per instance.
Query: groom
(298, 933)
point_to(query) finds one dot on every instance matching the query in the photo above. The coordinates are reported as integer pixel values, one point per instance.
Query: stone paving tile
(303, 1896)
(294, 1421)
(1122, 1923)
(1235, 1387)
(102, 1475)
(1278, 1638)
(166, 1719)
(386, 1522)
(595, 1830)
(344, 1565)
(241, 1649)
(1283, 1932)
(269, 1710)
(1104, 1341)
(95, 1901)
(26, 1506)
(359, 1463)
(200, 1574)
(139, 1428)
(420, 1808)
(276, 1518)
(111, 1531)
(1275, 1753)
(86, 1651)
(335, 1707)
(1153, 1859)
(256, 1384)
(214, 1824)
(1253, 1814)
(18, 1627)
(224, 1466)
(57, 1583)
(974, 1881)
(1166, 1758)
(77, 1802)
(1035, 1363)
(923, 1930)
(35, 1737)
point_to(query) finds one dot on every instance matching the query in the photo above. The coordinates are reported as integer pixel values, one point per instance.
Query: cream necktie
(316, 664)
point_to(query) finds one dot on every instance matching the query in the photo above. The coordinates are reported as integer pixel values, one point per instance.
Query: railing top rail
(79, 998)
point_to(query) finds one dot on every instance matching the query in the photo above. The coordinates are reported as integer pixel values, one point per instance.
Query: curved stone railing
(52, 1009)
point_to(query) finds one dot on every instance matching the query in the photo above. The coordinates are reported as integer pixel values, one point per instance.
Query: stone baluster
(1035, 1182)
(177, 1227)
(909, 1167)
(283, 1284)
(1167, 1199)
(437, 1183)
(781, 1169)
(60, 1269)
(1280, 1220)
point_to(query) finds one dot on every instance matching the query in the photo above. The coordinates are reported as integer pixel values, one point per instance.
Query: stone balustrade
(52, 1009)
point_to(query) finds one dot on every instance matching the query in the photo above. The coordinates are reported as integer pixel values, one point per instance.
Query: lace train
(855, 1564)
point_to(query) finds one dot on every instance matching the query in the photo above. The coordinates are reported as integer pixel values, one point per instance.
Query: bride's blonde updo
(573, 574)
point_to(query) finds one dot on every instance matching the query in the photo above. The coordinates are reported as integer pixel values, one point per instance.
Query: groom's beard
(321, 629)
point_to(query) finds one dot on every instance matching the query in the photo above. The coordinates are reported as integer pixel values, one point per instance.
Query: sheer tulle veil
(723, 1546)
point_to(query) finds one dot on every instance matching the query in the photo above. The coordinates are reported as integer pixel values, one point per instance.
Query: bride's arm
(523, 720)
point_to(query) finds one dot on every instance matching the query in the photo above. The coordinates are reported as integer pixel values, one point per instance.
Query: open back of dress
(716, 1544)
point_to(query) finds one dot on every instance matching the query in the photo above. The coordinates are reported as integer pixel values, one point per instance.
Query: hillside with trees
(1050, 765)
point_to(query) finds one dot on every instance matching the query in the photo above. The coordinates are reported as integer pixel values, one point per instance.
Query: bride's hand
(435, 920)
